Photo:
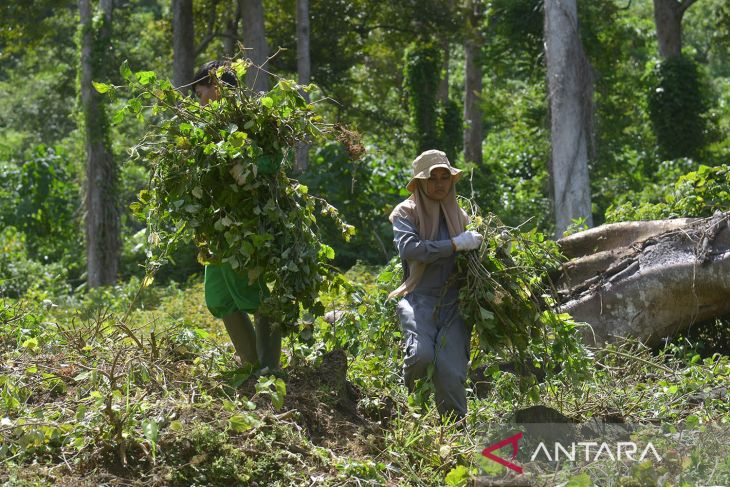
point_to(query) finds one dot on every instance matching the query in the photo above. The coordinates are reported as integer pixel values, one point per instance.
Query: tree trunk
(473, 87)
(668, 19)
(103, 241)
(231, 33)
(254, 41)
(649, 279)
(183, 44)
(443, 94)
(570, 94)
(304, 69)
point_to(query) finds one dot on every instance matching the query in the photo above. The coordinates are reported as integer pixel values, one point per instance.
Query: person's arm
(412, 248)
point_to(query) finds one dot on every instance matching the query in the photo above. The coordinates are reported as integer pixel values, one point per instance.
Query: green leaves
(327, 251)
(125, 71)
(485, 314)
(695, 194)
(31, 344)
(151, 430)
(580, 480)
(146, 77)
(458, 476)
(101, 87)
(237, 139)
(274, 388)
(218, 177)
(240, 423)
(508, 298)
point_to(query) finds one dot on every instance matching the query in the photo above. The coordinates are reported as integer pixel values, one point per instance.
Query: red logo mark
(487, 452)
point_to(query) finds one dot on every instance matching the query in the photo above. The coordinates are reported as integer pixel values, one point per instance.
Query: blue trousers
(435, 333)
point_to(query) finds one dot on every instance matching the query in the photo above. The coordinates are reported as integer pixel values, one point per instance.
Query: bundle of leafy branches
(508, 295)
(218, 176)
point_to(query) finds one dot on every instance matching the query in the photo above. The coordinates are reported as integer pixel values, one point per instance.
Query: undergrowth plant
(88, 396)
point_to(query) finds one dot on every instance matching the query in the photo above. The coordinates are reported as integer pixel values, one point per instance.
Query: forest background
(402, 74)
(395, 72)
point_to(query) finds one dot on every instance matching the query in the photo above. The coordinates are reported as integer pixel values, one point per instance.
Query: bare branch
(209, 37)
(685, 4)
(211, 33)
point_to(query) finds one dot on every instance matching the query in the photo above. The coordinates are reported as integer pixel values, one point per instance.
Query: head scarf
(424, 213)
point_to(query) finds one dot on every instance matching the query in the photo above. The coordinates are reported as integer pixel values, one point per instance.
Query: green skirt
(226, 291)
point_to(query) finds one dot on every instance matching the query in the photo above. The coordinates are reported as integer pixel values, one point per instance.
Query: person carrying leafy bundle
(228, 294)
(429, 229)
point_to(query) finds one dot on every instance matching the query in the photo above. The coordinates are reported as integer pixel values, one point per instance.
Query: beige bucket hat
(427, 162)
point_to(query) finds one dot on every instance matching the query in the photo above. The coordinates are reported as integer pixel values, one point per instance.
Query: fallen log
(616, 235)
(648, 280)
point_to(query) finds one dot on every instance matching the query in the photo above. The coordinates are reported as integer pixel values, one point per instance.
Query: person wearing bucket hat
(428, 230)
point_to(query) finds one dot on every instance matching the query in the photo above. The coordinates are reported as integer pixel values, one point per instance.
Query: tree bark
(658, 279)
(102, 228)
(304, 69)
(231, 33)
(183, 44)
(668, 20)
(571, 96)
(473, 86)
(443, 93)
(254, 41)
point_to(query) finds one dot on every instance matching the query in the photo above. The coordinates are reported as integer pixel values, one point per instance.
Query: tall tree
(183, 44)
(254, 41)
(304, 69)
(668, 19)
(570, 89)
(473, 84)
(103, 240)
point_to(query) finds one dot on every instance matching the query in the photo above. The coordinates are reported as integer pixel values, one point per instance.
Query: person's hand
(468, 240)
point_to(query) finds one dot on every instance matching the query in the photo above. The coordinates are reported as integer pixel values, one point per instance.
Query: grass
(89, 397)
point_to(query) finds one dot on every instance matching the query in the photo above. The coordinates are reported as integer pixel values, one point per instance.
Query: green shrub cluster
(363, 191)
(40, 197)
(696, 194)
(20, 273)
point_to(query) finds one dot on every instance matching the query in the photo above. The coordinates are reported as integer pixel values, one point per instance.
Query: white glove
(468, 240)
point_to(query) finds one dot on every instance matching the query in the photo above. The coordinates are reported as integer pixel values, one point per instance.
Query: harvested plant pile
(218, 177)
(508, 296)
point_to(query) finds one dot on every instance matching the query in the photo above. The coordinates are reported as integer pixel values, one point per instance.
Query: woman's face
(206, 93)
(439, 184)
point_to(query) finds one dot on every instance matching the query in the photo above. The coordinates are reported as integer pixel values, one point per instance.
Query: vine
(676, 107)
(437, 124)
